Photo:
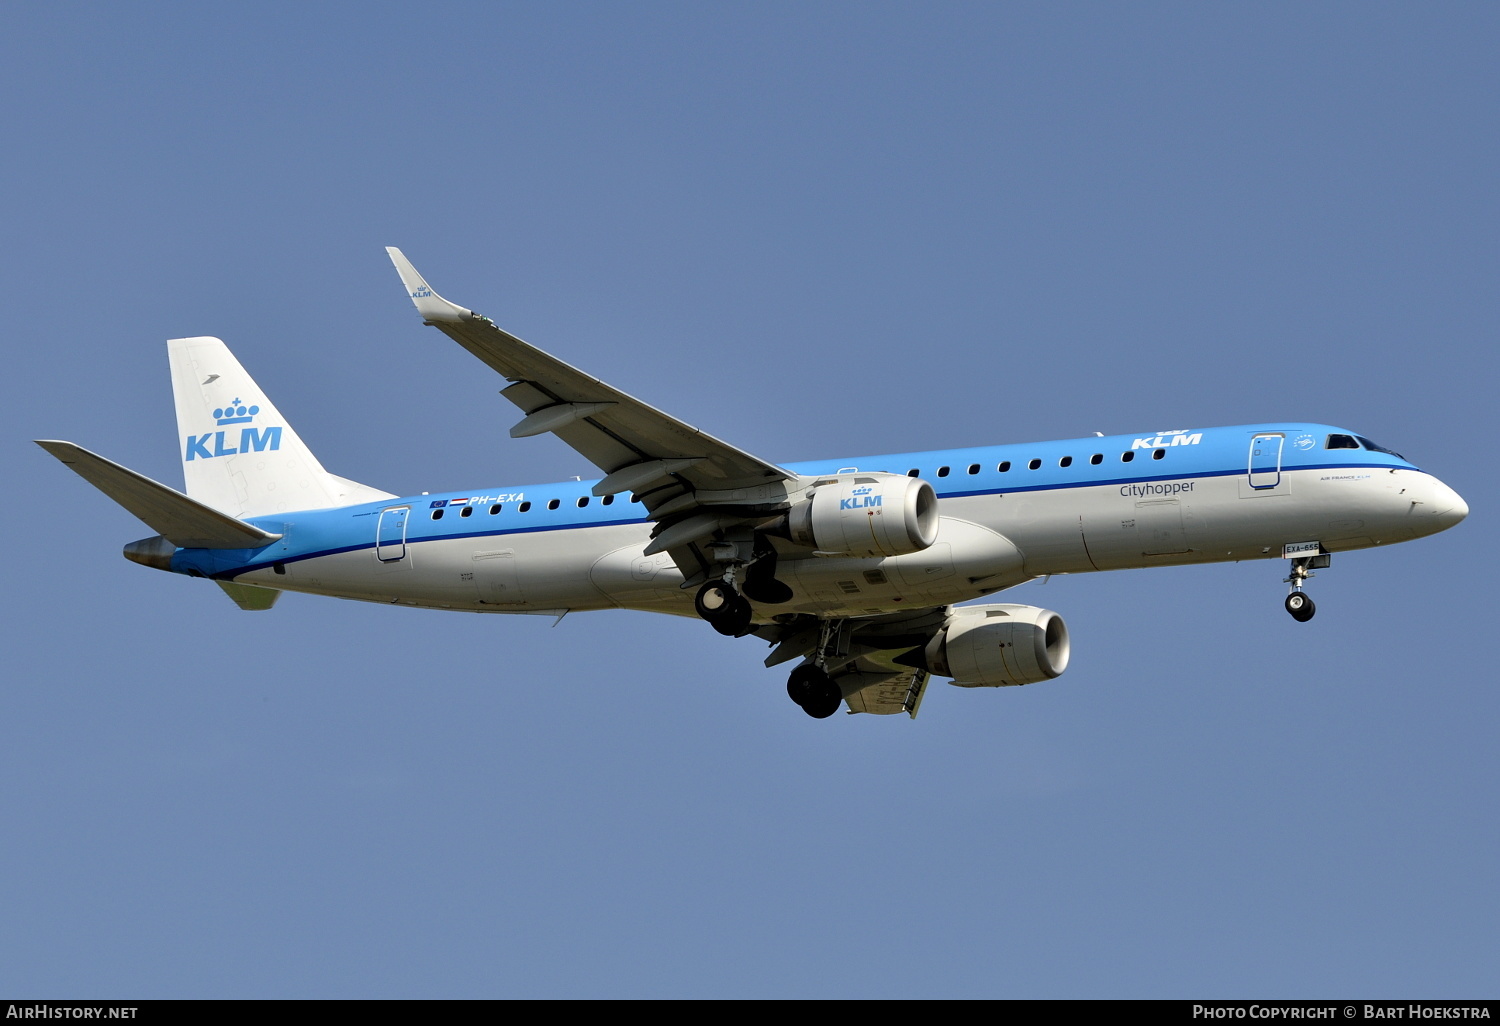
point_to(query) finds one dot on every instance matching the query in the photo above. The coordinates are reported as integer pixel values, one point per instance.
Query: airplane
(862, 570)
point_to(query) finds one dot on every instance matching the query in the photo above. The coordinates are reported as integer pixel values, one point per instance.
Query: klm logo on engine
(1164, 439)
(862, 502)
(250, 439)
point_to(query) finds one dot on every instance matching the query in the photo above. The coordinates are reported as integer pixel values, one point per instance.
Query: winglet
(430, 305)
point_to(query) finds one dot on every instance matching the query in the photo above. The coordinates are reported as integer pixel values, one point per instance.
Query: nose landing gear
(1298, 602)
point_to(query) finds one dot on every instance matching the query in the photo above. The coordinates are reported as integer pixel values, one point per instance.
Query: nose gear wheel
(1301, 606)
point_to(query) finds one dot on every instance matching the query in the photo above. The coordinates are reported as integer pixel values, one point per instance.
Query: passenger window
(1004, 468)
(1341, 442)
(973, 468)
(913, 472)
(1127, 456)
(1066, 461)
(525, 507)
(942, 471)
(1097, 458)
(467, 511)
(1034, 464)
(1158, 454)
(554, 504)
(495, 509)
(607, 500)
(437, 514)
(583, 502)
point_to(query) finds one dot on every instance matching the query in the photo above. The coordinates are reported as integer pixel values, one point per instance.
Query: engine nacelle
(866, 515)
(1000, 645)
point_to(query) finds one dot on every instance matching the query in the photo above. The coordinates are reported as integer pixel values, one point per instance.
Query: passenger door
(390, 534)
(1265, 461)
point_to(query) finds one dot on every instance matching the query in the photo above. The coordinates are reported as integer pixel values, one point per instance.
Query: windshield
(1378, 448)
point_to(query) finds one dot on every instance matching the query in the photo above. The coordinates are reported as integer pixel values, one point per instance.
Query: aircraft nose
(1448, 506)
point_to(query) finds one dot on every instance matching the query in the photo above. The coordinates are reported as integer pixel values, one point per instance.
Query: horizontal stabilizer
(184, 522)
(248, 596)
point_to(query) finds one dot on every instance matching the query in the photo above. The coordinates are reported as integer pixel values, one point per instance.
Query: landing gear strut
(1298, 602)
(817, 693)
(811, 685)
(724, 608)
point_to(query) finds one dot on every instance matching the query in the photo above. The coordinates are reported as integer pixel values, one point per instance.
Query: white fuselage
(986, 542)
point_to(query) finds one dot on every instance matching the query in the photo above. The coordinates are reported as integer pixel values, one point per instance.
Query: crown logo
(234, 413)
(421, 292)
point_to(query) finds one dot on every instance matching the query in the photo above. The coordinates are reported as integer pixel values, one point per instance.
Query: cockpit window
(1378, 448)
(1341, 442)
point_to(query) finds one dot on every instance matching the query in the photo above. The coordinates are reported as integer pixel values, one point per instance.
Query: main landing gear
(817, 693)
(724, 608)
(811, 686)
(725, 603)
(1298, 602)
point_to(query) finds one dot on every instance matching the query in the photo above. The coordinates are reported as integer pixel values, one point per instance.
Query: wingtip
(429, 304)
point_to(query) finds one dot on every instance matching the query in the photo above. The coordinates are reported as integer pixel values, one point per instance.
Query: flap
(885, 695)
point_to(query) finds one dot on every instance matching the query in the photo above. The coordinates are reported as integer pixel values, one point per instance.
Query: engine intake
(866, 515)
(1000, 645)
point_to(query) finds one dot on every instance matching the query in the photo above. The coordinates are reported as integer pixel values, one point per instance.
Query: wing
(639, 448)
(693, 486)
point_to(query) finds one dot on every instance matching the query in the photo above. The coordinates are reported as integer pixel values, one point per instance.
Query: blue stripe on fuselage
(1220, 452)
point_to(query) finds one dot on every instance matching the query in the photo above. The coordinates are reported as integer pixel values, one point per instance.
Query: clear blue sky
(813, 230)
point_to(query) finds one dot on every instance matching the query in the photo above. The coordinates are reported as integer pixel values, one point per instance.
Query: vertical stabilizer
(239, 455)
